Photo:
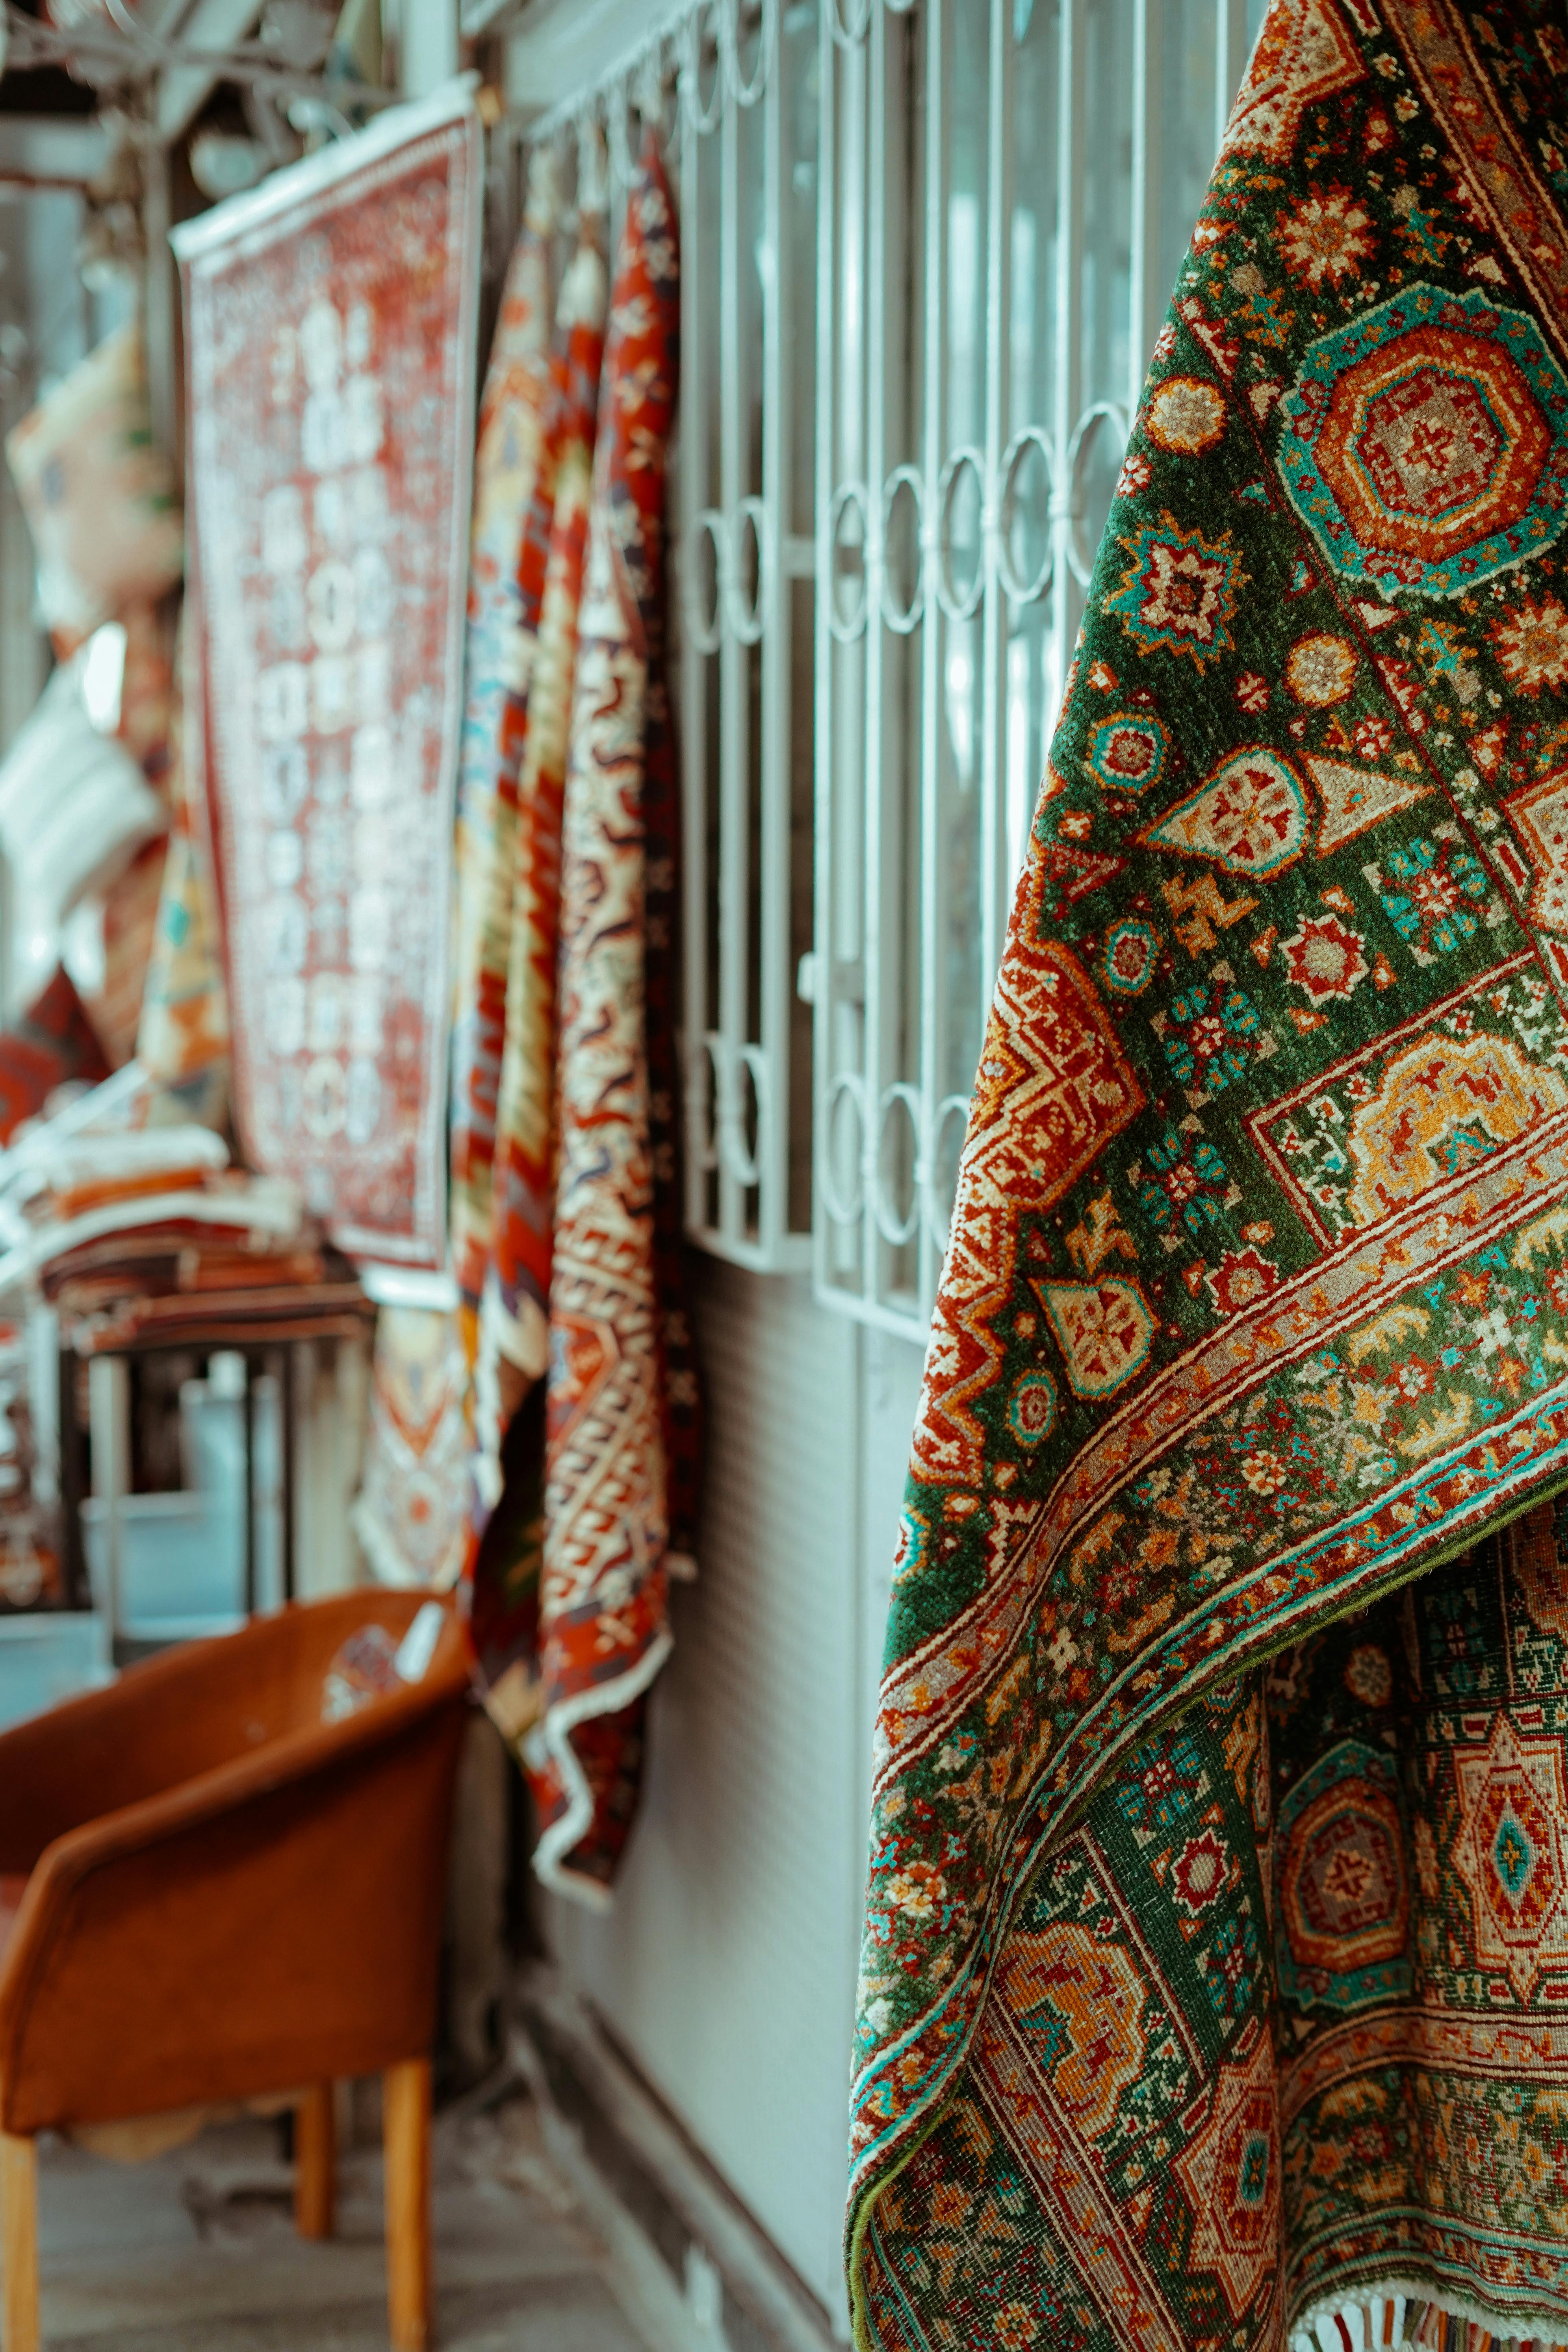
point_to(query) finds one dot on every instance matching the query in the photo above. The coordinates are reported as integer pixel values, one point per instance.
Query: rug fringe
(1404, 2322)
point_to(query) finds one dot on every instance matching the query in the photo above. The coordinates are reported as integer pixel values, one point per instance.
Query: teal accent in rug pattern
(1215, 1969)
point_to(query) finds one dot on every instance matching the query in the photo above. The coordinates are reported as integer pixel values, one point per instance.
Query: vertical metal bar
(1230, 58)
(431, 49)
(249, 1411)
(1066, 601)
(693, 728)
(775, 593)
(875, 880)
(109, 1422)
(734, 907)
(992, 826)
(825, 933)
(288, 1404)
(1147, 292)
(72, 1478)
(932, 630)
(849, 731)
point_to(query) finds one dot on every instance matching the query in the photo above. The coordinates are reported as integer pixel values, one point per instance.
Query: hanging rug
(330, 332)
(1215, 1970)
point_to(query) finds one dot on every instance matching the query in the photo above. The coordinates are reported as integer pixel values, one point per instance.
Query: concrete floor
(196, 2252)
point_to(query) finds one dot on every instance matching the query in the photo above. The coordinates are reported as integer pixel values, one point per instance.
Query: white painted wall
(727, 1968)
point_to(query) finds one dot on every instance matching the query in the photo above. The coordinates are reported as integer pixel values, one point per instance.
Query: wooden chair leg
(315, 2164)
(19, 2245)
(406, 2131)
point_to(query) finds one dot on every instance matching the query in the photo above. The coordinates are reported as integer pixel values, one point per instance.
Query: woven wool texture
(52, 1044)
(132, 902)
(181, 1038)
(603, 1629)
(512, 1325)
(409, 1515)
(515, 1310)
(502, 621)
(1217, 1941)
(330, 334)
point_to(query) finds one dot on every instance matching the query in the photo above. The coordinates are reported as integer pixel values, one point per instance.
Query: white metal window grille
(926, 249)
(731, 86)
(1006, 192)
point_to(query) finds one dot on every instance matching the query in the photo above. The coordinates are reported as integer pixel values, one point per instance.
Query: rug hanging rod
(643, 76)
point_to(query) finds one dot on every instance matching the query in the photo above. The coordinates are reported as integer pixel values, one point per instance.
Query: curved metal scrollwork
(847, 627)
(1100, 412)
(900, 618)
(704, 631)
(700, 119)
(749, 620)
(747, 89)
(732, 1065)
(928, 1204)
(999, 497)
(1021, 589)
(851, 34)
(960, 605)
(745, 618)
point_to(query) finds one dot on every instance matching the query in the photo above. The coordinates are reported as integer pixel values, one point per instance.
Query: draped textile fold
(181, 1037)
(513, 1327)
(603, 1629)
(1255, 1308)
(409, 1515)
(510, 457)
(514, 1311)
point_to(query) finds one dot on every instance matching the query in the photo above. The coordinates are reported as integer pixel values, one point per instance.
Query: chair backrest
(270, 1920)
(189, 1711)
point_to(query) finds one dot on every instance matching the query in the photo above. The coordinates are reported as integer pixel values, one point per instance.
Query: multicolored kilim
(132, 903)
(604, 1630)
(52, 1044)
(515, 1310)
(409, 1517)
(1215, 1975)
(182, 1036)
(502, 626)
(513, 1320)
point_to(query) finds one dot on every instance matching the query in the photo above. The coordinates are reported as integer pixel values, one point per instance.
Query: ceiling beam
(43, 150)
(184, 90)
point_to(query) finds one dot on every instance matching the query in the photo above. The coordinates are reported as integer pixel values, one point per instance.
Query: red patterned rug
(331, 349)
(604, 1630)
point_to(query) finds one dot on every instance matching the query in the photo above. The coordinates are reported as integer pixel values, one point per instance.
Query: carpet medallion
(1216, 1940)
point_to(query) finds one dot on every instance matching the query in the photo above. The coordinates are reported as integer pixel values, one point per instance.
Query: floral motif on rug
(181, 1037)
(511, 1337)
(1278, 2027)
(409, 1515)
(603, 1625)
(330, 334)
(510, 460)
(515, 1309)
(1256, 1306)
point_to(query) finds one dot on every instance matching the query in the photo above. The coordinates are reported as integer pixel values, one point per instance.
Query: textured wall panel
(727, 1966)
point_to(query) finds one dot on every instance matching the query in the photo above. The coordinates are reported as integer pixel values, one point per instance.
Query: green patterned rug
(1215, 1976)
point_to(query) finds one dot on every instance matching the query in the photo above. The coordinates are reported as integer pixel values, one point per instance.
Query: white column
(430, 54)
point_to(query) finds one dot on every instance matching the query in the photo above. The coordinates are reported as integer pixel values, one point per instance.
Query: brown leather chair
(207, 1894)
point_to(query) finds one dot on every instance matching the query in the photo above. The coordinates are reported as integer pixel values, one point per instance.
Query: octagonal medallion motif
(1509, 1853)
(1426, 446)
